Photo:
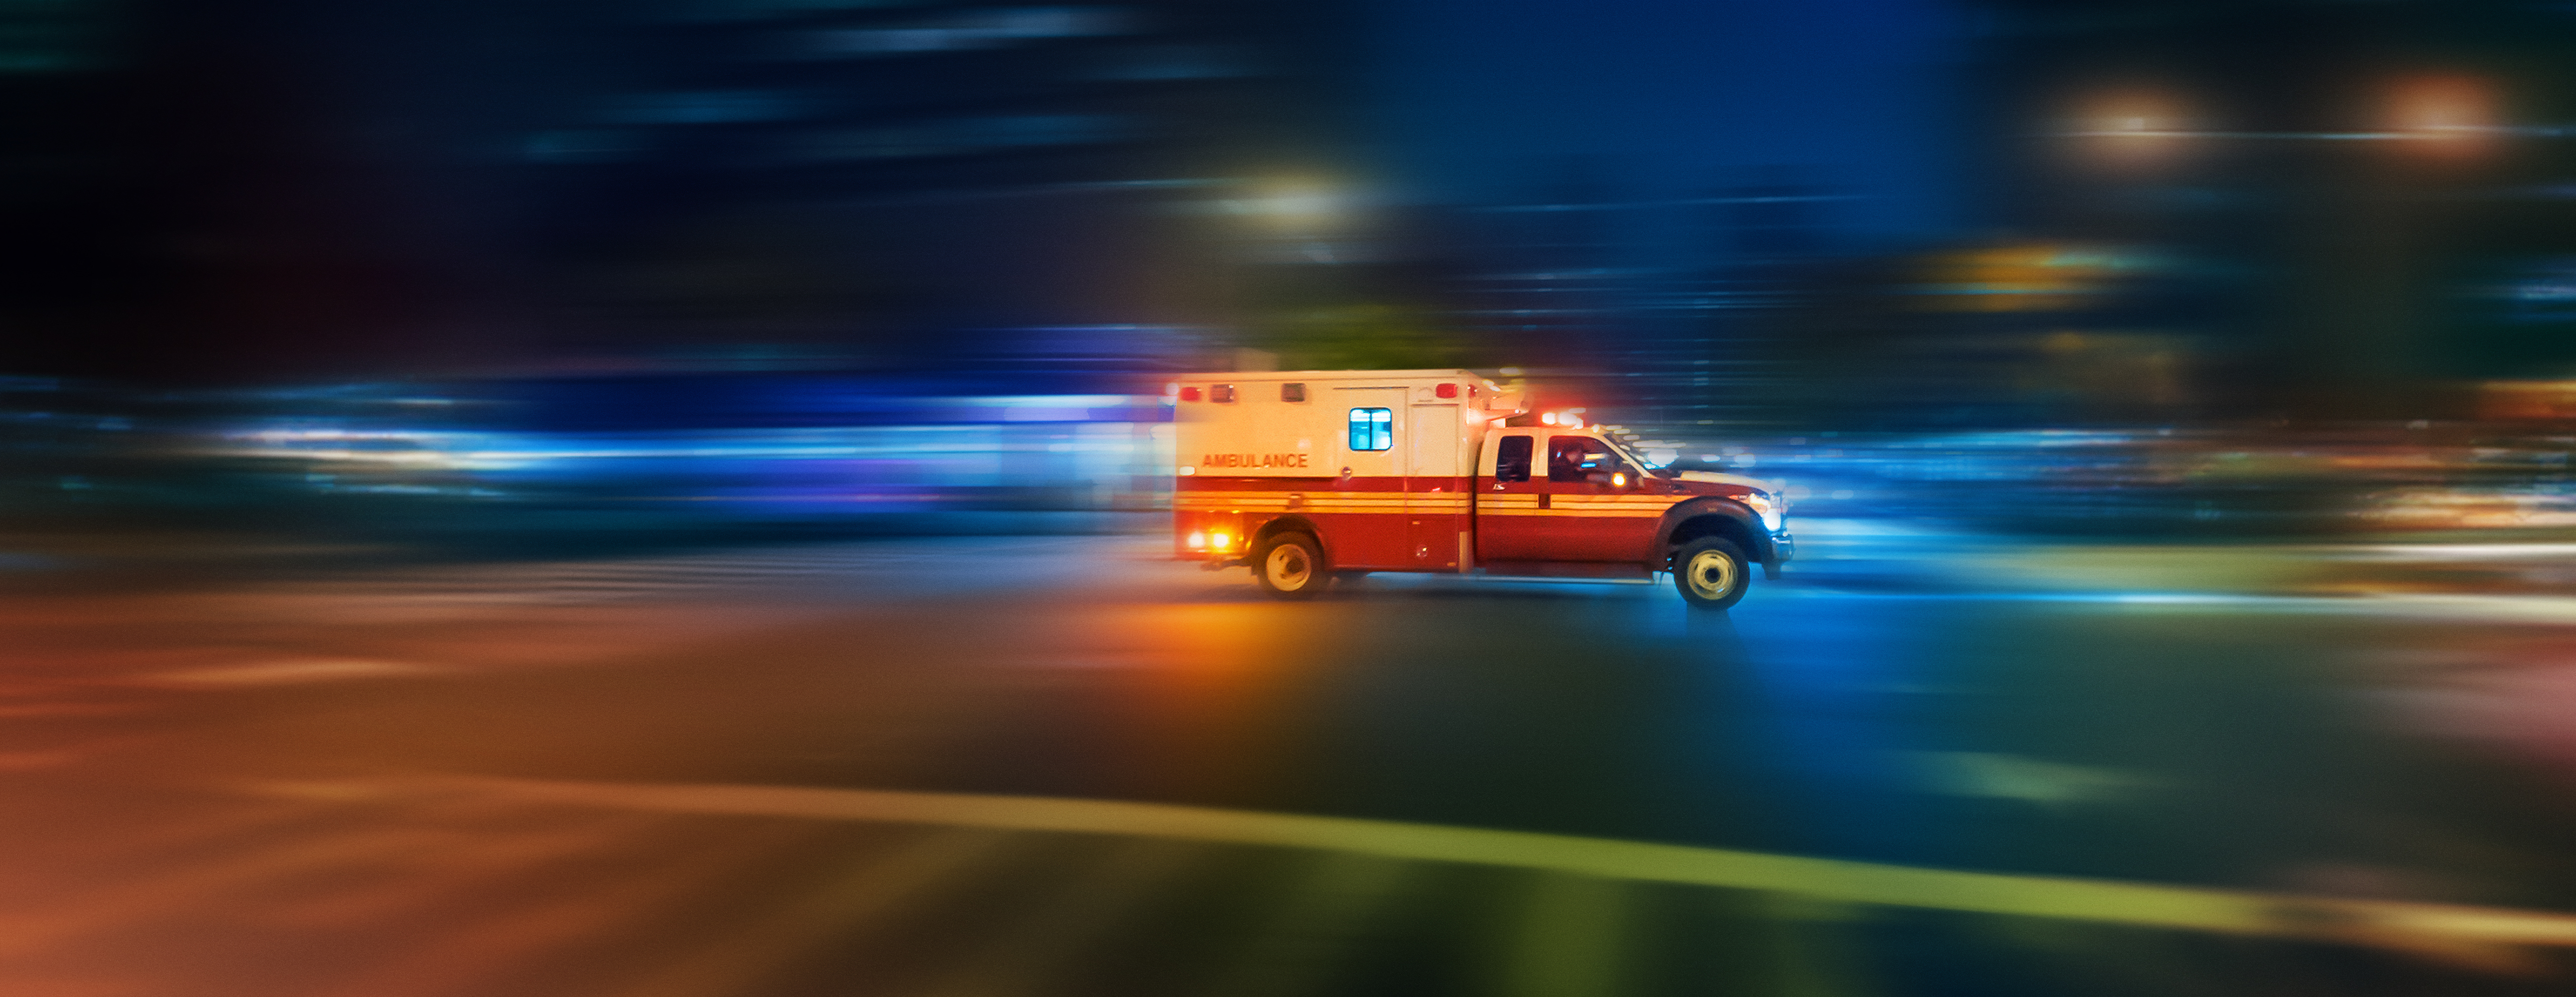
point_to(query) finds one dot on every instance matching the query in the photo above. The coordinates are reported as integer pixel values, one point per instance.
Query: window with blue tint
(1372, 429)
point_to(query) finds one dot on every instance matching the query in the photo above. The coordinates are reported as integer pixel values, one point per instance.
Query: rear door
(1436, 488)
(1364, 512)
(1510, 525)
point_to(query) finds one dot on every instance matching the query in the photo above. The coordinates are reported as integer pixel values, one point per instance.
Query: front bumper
(1784, 547)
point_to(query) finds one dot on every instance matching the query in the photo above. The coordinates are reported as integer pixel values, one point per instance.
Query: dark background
(1740, 204)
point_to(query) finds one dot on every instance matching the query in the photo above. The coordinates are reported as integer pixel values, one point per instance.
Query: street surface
(859, 768)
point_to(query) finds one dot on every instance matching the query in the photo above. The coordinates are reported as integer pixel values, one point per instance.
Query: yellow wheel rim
(1711, 574)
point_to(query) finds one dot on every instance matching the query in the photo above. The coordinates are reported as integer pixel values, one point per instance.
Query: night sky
(308, 180)
(1491, 100)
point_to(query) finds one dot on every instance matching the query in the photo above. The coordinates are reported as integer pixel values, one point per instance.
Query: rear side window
(1512, 459)
(1372, 429)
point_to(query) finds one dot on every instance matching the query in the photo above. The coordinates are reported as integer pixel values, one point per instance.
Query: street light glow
(2131, 128)
(2444, 115)
(1296, 207)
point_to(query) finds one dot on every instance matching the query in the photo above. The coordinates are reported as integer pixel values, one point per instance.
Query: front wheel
(1711, 573)
(1289, 566)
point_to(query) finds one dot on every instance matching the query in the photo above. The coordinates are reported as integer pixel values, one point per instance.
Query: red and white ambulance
(1310, 475)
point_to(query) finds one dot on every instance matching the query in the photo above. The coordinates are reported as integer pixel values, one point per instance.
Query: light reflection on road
(1878, 704)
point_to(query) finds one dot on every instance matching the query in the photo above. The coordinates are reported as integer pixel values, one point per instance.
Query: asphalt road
(878, 768)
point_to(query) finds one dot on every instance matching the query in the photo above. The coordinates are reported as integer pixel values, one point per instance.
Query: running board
(1483, 577)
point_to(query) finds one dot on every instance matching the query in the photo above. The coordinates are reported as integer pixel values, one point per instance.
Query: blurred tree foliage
(1360, 336)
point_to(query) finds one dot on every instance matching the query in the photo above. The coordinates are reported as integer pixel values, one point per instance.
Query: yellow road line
(2395, 924)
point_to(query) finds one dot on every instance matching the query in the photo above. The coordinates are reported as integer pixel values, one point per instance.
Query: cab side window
(1512, 458)
(1574, 458)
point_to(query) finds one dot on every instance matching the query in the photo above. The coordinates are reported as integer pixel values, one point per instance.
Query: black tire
(1289, 566)
(1711, 573)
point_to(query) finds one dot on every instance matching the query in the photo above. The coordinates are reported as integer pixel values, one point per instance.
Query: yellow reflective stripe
(1322, 501)
(2402, 925)
(1608, 506)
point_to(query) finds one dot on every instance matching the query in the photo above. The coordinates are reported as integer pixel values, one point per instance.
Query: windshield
(1640, 463)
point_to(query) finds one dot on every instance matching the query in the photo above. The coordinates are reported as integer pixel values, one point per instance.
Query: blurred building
(891, 169)
(2000, 334)
(289, 188)
(1658, 311)
(2384, 191)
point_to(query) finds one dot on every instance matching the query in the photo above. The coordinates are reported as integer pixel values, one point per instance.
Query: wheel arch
(1718, 517)
(1290, 524)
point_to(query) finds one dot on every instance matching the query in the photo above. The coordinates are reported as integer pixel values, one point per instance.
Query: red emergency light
(1446, 391)
(1189, 394)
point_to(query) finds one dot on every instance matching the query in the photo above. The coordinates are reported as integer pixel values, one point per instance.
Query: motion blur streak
(2164, 412)
(862, 896)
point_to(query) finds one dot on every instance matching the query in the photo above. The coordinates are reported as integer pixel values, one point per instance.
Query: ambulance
(1311, 476)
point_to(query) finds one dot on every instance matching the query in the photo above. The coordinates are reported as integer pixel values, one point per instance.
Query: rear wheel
(1711, 573)
(1289, 566)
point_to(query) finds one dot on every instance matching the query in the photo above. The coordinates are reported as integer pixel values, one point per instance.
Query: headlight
(1769, 508)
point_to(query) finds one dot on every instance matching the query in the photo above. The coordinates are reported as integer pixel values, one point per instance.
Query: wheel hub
(1711, 574)
(1287, 567)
